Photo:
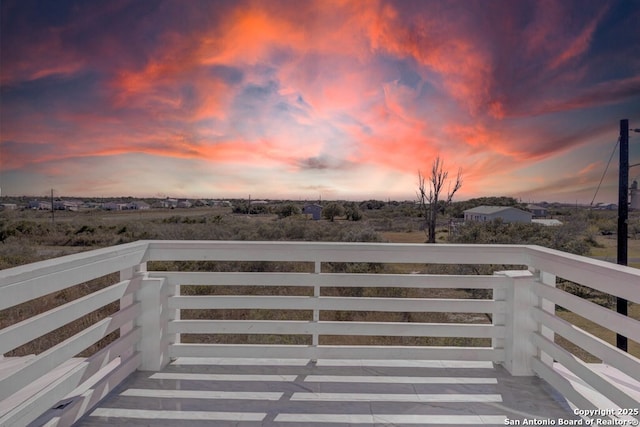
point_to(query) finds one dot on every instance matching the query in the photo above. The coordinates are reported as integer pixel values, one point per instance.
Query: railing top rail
(54, 265)
(55, 274)
(604, 276)
(165, 250)
(30, 281)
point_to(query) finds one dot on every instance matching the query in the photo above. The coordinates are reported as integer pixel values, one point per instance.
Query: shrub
(332, 210)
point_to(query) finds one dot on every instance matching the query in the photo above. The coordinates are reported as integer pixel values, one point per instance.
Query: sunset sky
(302, 99)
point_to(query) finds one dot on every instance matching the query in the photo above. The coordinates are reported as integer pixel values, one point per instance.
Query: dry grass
(413, 236)
(404, 237)
(597, 330)
(609, 249)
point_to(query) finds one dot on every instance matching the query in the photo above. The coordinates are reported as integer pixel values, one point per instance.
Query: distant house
(37, 204)
(183, 203)
(314, 210)
(138, 205)
(606, 206)
(67, 205)
(91, 205)
(9, 206)
(507, 214)
(168, 203)
(537, 211)
(114, 206)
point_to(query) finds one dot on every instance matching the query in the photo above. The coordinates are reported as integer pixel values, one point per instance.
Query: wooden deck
(261, 392)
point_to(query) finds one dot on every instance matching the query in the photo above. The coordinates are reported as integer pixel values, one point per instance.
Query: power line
(605, 170)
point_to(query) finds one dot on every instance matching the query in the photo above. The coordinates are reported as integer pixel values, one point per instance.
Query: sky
(316, 99)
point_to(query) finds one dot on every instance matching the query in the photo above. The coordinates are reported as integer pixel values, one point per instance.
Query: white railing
(150, 321)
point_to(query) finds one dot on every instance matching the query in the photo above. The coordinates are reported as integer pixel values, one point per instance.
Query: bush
(565, 237)
(287, 210)
(332, 210)
(352, 212)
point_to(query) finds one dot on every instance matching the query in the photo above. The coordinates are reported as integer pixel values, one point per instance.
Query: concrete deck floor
(261, 392)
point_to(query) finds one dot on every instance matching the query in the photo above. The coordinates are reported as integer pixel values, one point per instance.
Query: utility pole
(52, 209)
(623, 216)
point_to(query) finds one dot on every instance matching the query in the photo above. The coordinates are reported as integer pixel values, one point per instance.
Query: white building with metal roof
(489, 213)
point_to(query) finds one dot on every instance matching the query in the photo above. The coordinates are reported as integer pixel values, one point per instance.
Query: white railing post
(519, 323)
(550, 307)
(129, 299)
(316, 312)
(498, 317)
(153, 321)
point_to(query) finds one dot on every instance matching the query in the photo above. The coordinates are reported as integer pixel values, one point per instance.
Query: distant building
(489, 213)
(184, 203)
(223, 203)
(547, 222)
(37, 204)
(314, 210)
(114, 206)
(67, 205)
(9, 206)
(138, 205)
(606, 206)
(168, 203)
(537, 211)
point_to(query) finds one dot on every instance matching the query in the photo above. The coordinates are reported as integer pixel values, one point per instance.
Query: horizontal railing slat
(85, 396)
(338, 352)
(356, 280)
(218, 302)
(624, 325)
(580, 369)
(84, 403)
(433, 305)
(36, 326)
(603, 276)
(98, 363)
(615, 357)
(56, 355)
(31, 409)
(125, 344)
(31, 281)
(564, 386)
(424, 305)
(295, 327)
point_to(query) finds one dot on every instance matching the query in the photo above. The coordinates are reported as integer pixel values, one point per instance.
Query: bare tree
(429, 195)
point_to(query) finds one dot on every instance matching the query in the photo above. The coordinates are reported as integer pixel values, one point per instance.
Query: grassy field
(609, 247)
(597, 330)
(413, 236)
